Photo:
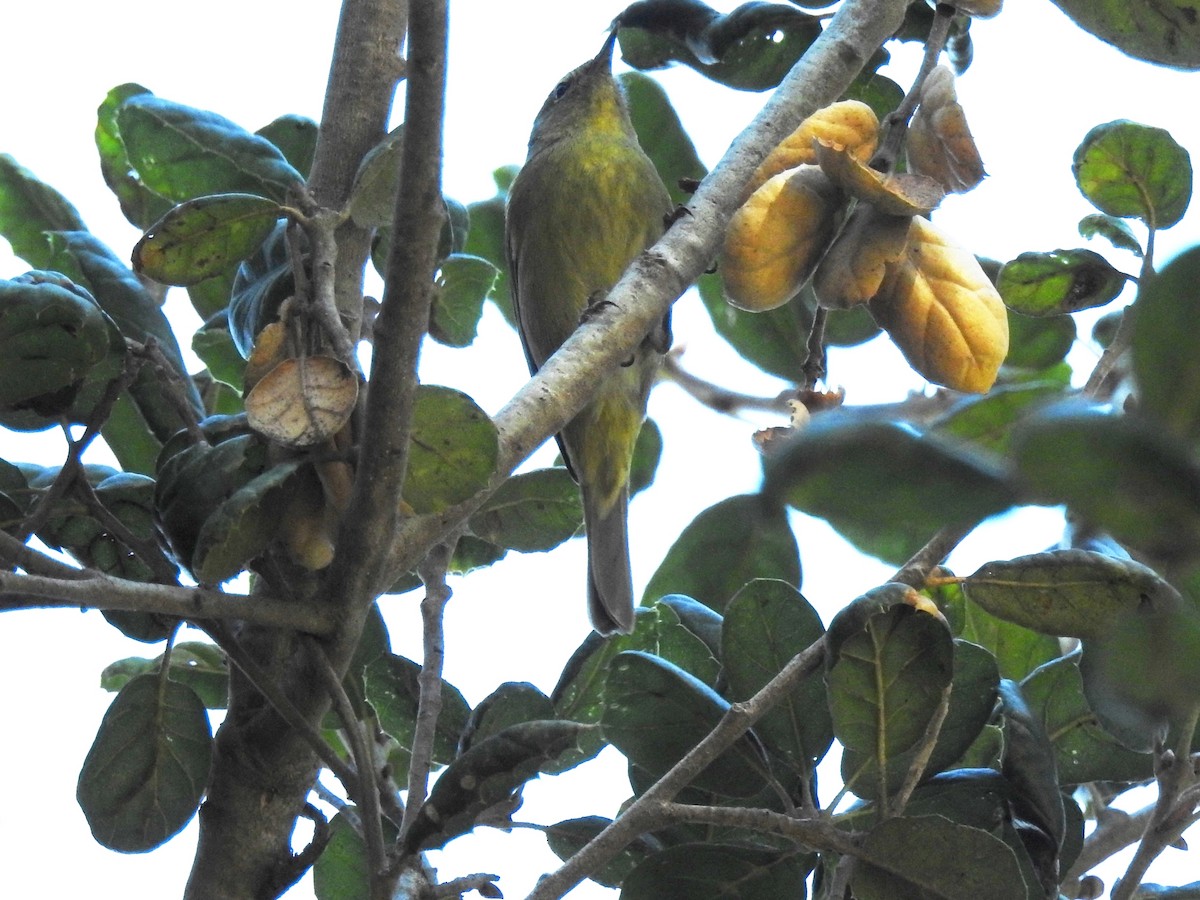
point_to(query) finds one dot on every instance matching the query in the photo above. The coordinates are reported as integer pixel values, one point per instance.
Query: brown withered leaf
(939, 143)
(302, 401)
(853, 267)
(943, 313)
(902, 194)
(270, 349)
(850, 123)
(775, 239)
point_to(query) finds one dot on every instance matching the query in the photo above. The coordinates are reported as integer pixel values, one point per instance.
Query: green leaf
(393, 690)
(373, 197)
(1018, 650)
(730, 543)
(566, 839)
(1083, 750)
(766, 624)
(144, 775)
(205, 237)
(486, 776)
(719, 870)
(1130, 170)
(342, 871)
(987, 421)
(1158, 31)
(1029, 765)
(200, 666)
(932, 858)
(654, 713)
(1119, 474)
(750, 48)
(452, 450)
(214, 345)
(262, 283)
(463, 284)
(28, 209)
(884, 488)
(486, 237)
(646, 454)
(1037, 343)
(702, 621)
(295, 137)
(531, 511)
(775, 340)
(509, 704)
(661, 134)
(1061, 281)
(887, 680)
(1116, 231)
(972, 701)
(181, 153)
(1077, 593)
(1168, 378)
(140, 205)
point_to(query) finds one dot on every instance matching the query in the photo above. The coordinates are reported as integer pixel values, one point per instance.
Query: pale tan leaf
(302, 401)
(850, 123)
(939, 143)
(903, 194)
(854, 266)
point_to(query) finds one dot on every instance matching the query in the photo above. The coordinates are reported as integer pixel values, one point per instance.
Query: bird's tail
(610, 583)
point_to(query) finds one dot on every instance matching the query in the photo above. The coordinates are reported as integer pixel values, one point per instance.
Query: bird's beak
(604, 57)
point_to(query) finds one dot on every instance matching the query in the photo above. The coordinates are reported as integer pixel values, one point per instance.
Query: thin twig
(813, 368)
(814, 833)
(714, 396)
(147, 550)
(924, 751)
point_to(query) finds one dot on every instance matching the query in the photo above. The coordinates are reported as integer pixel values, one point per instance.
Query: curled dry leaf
(902, 194)
(775, 239)
(943, 313)
(854, 266)
(270, 349)
(849, 123)
(939, 143)
(302, 401)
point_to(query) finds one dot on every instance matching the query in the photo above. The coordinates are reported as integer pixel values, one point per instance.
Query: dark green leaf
(775, 341)
(144, 775)
(28, 209)
(1164, 364)
(486, 237)
(1029, 765)
(393, 690)
(140, 205)
(531, 511)
(210, 297)
(205, 237)
(1130, 170)
(262, 283)
(295, 137)
(932, 858)
(661, 134)
(1039, 342)
(702, 621)
(1159, 31)
(750, 48)
(200, 666)
(342, 871)
(717, 870)
(463, 284)
(730, 543)
(180, 152)
(1018, 650)
(1061, 281)
(452, 451)
(509, 704)
(1116, 231)
(373, 197)
(654, 713)
(567, 838)
(486, 776)
(1083, 750)
(766, 624)
(1119, 474)
(646, 454)
(214, 345)
(987, 422)
(1079, 593)
(883, 487)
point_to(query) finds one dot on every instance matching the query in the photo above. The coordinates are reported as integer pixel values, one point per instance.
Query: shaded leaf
(295, 137)
(342, 871)
(774, 340)
(1116, 231)
(1062, 281)
(140, 205)
(531, 511)
(204, 237)
(144, 775)
(883, 487)
(566, 838)
(1159, 31)
(1029, 765)
(987, 422)
(452, 451)
(464, 282)
(655, 712)
(1131, 170)
(1037, 343)
(728, 544)
(28, 209)
(485, 776)
(199, 665)
(661, 134)
(509, 704)
(717, 870)
(373, 197)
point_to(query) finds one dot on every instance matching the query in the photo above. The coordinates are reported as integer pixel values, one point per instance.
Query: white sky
(1037, 85)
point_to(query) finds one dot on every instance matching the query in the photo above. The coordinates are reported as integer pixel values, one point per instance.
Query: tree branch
(815, 833)
(94, 590)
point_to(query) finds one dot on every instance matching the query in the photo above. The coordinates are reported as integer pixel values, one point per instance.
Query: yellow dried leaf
(302, 401)
(849, 123)
(902, 194)
(939, 143)
(943, 313)
(853, 267)
(270, 349)
(775, 239)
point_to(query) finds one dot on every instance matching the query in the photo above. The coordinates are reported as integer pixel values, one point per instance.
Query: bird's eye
(561, 88)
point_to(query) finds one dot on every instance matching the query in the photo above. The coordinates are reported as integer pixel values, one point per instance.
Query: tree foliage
(981, 719)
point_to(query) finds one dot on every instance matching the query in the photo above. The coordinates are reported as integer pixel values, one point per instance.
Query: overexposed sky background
(1036, 87)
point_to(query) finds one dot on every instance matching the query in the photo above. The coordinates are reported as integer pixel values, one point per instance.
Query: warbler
(587, 201)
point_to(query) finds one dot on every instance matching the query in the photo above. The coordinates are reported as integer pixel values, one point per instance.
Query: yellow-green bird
(587, 201)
